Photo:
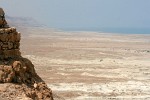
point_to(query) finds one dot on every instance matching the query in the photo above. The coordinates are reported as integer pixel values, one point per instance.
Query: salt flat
(91, 65)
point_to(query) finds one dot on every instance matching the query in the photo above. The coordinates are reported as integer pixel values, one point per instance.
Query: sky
(82, 13)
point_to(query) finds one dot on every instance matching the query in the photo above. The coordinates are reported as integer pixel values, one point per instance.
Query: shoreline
(85, 31)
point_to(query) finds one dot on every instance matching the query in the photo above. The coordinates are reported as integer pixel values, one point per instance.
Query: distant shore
(112, 30)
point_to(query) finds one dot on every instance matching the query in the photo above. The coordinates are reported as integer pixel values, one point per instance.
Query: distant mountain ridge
(23, 22)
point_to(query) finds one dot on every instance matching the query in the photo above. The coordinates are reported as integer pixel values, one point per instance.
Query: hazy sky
(82, 13)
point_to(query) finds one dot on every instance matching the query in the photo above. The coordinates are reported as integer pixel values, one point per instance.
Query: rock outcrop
(9, 43)
(18, 78)
(3, 22)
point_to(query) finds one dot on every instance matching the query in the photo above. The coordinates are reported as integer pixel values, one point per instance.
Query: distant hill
(23, 22)
(27, 26)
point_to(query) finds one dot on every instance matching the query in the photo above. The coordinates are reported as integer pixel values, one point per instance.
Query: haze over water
(116, 16)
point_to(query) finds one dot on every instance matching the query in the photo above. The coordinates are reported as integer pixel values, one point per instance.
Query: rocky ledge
(18, 78)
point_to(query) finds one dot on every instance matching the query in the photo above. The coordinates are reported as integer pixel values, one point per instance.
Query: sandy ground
(90, 65)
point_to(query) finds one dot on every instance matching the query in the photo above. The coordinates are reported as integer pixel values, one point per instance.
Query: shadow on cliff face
(20, 71)
(18, 78)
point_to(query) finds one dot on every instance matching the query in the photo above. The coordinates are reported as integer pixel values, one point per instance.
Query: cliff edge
(18, 78)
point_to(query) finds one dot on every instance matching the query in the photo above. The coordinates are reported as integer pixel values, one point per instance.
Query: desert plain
(90, 65)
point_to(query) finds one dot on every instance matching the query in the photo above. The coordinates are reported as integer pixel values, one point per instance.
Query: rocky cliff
(18, 78)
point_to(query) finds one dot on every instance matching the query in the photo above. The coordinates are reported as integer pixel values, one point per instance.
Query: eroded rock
(17, 74)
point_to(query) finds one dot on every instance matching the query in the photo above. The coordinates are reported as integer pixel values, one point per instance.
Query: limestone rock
(3, 22)
(18, 78)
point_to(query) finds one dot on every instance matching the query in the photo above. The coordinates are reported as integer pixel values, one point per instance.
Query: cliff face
(18, 78)
(9, 43)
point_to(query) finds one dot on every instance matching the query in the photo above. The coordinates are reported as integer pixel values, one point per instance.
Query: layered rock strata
(19, 72)
(9, 43)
